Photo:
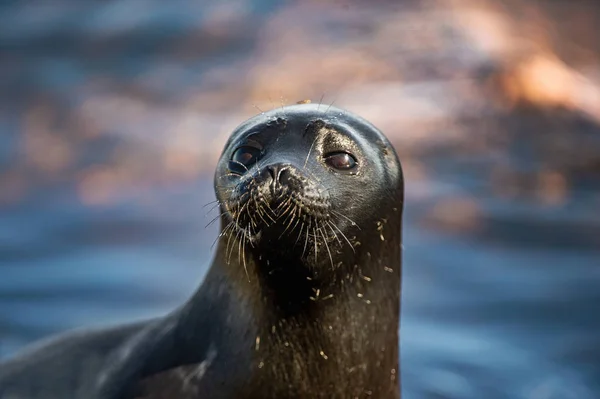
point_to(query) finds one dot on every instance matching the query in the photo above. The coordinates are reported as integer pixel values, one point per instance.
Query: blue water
(505, 310)
(483, 316)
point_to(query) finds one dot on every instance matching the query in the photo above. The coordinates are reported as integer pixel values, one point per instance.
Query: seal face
(302, 299)
(295, 179)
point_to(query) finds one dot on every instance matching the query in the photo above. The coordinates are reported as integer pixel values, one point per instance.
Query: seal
(302, 299)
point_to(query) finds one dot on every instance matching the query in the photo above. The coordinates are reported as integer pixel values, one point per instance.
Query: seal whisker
(347, 218)
(237, 237)
(225, 231)
(320, 101)
(309, 151)
(299, 233)
(330, 105)
(228, 175)
(259, 110)
(327, 247)
(242, 253)
(306, 239)
(294, 228)
(225, 188)
(237, 224)
(283, 204)
(282, 104)
(271, 101)
(239, 213)
(252, 221)
(228, 243)
(239, 163)
(291, 219)
(328, 223)
(300, 219)
(262, 211)
(269, 212)
(290, 205)
(232, 191)
(293, 216)
(315, 240)
(216, 218)
(211, 202)
(343, 235)
(213, 208)
(290, 210)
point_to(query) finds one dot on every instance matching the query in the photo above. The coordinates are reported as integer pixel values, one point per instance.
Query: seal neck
(294, 319)
(289, 282)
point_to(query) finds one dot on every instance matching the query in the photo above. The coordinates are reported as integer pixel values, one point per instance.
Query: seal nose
(278, 173)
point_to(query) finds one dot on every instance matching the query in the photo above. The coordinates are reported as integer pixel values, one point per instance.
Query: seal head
(303, 180)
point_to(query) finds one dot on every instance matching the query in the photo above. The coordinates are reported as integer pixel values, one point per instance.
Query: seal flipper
(66, 366)
(90, 364)
(154, 351)
(138, 356)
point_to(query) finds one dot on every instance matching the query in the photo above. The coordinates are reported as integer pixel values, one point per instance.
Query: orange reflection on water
(98, 186)
(456, 214)
(45, 148)
(552, 188)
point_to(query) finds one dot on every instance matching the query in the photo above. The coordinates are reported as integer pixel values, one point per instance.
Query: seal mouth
(275, 211)
(299, 223)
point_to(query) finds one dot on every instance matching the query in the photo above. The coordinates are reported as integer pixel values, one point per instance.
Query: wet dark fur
(302, 299)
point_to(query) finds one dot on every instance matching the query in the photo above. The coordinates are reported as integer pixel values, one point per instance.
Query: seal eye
(243, 158)
(340, 160)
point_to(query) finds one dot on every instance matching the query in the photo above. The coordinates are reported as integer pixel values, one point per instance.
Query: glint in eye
(340, 160)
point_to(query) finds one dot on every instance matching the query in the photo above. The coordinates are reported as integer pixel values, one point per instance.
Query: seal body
(302, 299)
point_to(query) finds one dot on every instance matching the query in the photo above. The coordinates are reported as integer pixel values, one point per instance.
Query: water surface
(114, 114)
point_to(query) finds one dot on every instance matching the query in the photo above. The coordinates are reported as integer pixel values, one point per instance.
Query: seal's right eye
(243, 158)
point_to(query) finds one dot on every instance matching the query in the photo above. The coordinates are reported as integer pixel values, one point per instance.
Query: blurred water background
(113, 114)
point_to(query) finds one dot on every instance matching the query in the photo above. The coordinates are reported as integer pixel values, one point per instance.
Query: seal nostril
(273, 171)
(282, 176)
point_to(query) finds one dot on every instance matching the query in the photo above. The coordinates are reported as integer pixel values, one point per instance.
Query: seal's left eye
(242, 158)
(340, 160)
